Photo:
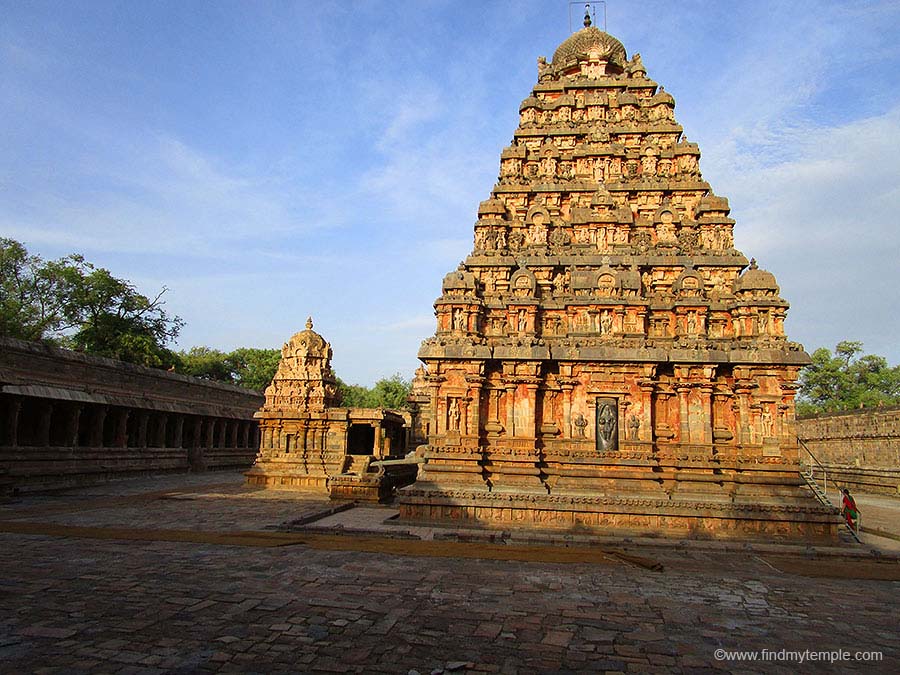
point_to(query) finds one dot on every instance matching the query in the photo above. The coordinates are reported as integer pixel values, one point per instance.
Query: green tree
(354, 395)
(846, 381)
(108, 317)
(205, 363)
(30, 297)
(254, 368)
(390, 392)
(246, 367)
(77, 305)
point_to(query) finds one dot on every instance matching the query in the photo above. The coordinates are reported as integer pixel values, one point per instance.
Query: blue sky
(270, 160)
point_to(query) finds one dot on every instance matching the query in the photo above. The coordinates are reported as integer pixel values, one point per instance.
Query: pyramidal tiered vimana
(605, 359)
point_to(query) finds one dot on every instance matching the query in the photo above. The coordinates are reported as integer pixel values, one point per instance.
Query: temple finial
(309, 323)
(587, 16)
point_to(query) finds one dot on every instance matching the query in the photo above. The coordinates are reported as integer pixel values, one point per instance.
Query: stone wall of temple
(70, 419)
(860, 449)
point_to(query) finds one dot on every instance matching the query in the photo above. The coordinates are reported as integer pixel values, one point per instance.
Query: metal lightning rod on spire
(590, 13)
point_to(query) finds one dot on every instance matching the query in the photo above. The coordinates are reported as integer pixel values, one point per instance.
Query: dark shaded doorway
(361, 440)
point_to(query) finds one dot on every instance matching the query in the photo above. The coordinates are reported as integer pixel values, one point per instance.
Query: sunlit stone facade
(605, 359)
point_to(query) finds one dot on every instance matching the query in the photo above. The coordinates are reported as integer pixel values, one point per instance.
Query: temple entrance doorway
(361, 440)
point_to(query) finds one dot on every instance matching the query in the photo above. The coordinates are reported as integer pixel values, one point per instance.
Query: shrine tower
(605, 359)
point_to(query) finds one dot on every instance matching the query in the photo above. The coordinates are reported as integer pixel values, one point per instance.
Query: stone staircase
(808, 473)
(357, 464)
(817, 489)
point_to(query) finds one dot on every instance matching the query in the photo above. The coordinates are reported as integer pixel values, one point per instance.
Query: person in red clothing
(849, 510)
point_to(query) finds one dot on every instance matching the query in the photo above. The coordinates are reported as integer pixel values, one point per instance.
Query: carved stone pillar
(645, 431)
(436, 426)
(221, 428)
(209, 427)
(233, 435)
(97, 423)
(684, 422)
(530, 404)
(143, 422)
(121, 438)
(245, 434)
(11, 438)
(706, 412)
(441, 422)
(743, 410)
(473, 418)
(567, 389)
(510, 410)
(178, 432)
(196, 431)
(45, 416)
(378, 449)
(162, 423)
(72, 420)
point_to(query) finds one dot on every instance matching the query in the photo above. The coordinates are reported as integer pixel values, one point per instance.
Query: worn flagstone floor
(73, 604)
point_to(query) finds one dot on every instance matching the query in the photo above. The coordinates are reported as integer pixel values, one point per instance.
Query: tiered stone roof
(602, 232)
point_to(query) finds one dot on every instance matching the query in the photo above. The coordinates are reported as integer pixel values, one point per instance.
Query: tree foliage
(846, 380)
(77, 305)
(246, 367)
(390, 392)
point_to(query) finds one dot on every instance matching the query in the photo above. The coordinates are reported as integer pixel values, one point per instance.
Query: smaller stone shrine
(309, 443)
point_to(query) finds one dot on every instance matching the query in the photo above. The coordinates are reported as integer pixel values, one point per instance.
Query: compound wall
(860, 449)
(69, 419)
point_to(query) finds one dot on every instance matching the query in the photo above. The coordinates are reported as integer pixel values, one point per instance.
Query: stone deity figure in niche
(490, 240)
(607, 425)
(453, 415)
(559, 284)
(767, 424)
(523, 321)
(634, 425)
(580, 424)
(606, 323)
(459, 321)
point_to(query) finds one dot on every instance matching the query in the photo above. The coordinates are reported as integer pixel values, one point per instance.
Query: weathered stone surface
(605, 358)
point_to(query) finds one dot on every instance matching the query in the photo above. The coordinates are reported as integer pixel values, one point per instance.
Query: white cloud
(824, 219)
(160, 196)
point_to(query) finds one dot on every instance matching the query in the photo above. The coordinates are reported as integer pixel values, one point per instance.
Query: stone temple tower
(605, 359)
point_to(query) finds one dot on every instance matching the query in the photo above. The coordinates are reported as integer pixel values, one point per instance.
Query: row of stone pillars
(36, 422)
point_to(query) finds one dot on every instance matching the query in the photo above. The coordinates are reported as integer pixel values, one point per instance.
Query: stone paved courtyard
(146, 601)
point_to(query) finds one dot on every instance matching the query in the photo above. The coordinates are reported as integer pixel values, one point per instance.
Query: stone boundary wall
(860, 449)
(69, 419)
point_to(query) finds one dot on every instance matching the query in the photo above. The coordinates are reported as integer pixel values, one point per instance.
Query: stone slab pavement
(70, 603)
